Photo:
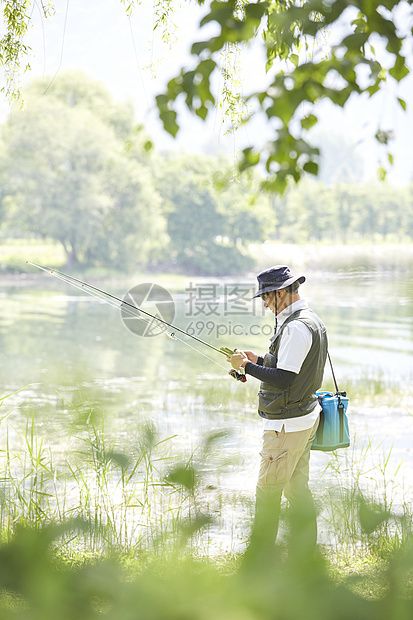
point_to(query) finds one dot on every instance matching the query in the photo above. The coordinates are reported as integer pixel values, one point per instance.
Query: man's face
(269, 300)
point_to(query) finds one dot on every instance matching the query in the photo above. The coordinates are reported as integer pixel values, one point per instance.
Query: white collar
(301, 304)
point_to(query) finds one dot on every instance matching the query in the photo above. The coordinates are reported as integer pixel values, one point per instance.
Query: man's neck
(289, 300)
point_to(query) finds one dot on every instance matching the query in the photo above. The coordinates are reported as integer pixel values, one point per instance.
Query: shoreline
(356, 258)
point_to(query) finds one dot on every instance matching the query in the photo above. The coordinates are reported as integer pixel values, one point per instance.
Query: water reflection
(56, 337)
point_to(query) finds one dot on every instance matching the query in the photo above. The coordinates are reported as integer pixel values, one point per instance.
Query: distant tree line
(345, 213)
(75, 167)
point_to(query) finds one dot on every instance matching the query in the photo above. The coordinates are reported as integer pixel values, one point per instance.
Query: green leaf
(311, 167)
(355, 42)
(249, 159)
(168, 118)
(384, 136)
(222, 12)
(278, 183)
(402, 103)
(309, 121)
(183, 475)
(371, 517)
(399, 71)
(294, 59)
(118, 458)
(202, 112)
(256, 10)
(381, 173)
(198, 47)
(390, 158)
(206, 67)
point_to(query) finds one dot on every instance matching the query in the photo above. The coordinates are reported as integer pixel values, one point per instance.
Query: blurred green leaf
(192, 526)
(183, 475)
(382, 173)
(400, 69)
(371, 517)
(284, 36)
(308, 121)
(311, 167)
(402, 103)
(383, 136)
(120, 459)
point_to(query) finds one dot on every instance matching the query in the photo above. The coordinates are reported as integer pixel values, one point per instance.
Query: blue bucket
(333, 431)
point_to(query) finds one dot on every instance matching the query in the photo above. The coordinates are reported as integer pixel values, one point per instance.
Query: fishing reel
(235, 374)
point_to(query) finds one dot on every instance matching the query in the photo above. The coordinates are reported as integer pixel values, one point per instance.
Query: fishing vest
(300, 398)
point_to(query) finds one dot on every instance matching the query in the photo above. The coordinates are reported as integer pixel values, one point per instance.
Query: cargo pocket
(273, 469)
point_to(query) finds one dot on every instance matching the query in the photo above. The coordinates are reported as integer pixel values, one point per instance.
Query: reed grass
(364, 503)
(132, 497)
(137, 495)
(373, 389)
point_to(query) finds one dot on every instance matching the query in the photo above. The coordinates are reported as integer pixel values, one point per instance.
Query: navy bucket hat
(275, 278)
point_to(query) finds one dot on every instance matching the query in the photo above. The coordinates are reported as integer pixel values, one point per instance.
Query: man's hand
(252, 357)
(238, 359)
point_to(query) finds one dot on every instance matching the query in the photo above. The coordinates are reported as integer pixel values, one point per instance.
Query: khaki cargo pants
(284, 468)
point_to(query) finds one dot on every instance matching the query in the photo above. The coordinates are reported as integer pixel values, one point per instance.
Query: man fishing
(290, 374)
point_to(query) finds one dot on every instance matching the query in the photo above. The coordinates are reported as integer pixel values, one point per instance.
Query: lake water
(65, 347)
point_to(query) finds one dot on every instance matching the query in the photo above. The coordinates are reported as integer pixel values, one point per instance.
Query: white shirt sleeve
(294, 346)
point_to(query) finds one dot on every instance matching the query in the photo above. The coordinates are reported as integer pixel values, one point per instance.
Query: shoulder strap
(332, 372)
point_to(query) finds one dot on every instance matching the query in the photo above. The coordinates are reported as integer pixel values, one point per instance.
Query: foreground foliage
(73, 557)
(36, 584)
(117, 533)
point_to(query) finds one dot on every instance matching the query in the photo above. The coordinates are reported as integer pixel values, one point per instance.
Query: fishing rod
(133, 310)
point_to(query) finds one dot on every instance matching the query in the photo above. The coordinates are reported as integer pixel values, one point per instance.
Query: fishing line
(43, 16)
(93, 290)
(127, 309)
(136, 312)
(174, 337)
(62, 49)
(135, 51)
(171, 335)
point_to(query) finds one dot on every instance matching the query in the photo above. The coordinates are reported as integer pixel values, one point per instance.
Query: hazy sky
(97, 37)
